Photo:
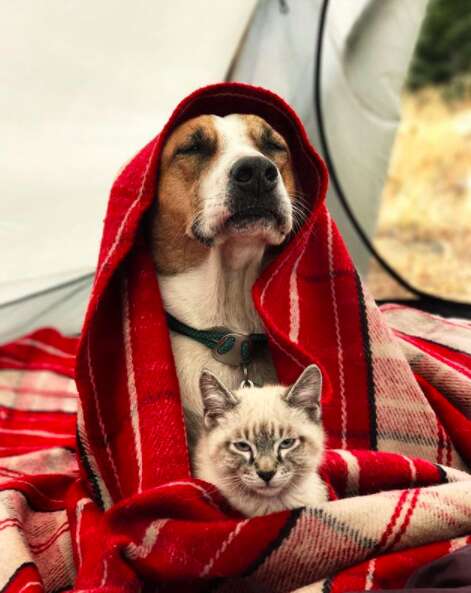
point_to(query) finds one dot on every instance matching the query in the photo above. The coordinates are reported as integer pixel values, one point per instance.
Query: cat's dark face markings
(263, 449)
(264, 457)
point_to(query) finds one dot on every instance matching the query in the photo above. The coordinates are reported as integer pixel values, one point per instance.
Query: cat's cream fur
(262, 446)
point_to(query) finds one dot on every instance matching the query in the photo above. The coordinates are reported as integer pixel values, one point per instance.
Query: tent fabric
(79, 83)
(364, 65)
(84, 87)
(399, 437)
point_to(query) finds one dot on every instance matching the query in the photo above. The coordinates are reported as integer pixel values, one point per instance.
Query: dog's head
(224, 178)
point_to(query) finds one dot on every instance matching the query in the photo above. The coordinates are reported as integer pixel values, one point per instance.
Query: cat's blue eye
(242, 446)
(287, 443)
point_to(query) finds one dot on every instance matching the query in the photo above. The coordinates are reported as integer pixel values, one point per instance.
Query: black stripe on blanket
(442, 472)
(276, 543)
(16, 573)
(327, 585)
(96, 495)
(369, 364)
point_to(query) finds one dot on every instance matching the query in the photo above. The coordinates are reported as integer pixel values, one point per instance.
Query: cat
(262, 446)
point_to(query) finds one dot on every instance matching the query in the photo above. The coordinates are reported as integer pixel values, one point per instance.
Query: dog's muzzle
(253, 194)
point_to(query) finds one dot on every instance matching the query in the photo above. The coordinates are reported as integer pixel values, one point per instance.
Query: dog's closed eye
(190, 148)
(196, 144)
(270, 143)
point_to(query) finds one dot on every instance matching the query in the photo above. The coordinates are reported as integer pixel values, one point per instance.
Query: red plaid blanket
(396, 406)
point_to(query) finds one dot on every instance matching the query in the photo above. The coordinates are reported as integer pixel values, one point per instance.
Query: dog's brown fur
(178, 201)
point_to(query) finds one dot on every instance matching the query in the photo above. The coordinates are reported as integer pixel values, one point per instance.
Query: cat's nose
(266, 475)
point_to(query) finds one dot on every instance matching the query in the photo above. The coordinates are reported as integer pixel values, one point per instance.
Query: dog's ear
(217, 399)
(306, 392)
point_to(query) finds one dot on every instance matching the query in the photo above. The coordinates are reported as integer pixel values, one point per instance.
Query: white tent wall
(85, 85)
(62, 308)
(367, 48)
(90, 83)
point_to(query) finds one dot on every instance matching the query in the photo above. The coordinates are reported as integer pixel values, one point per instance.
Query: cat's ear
(217, 399)
(306, 392)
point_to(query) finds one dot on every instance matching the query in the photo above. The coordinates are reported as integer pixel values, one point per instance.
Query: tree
(443, 50)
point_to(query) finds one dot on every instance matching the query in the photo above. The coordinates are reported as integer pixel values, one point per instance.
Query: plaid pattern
(38, 402)
(395, 404)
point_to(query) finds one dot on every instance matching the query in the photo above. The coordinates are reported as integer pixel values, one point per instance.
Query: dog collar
(227, 346)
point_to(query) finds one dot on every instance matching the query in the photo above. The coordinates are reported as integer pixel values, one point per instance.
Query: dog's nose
(254, 174)
(266, 476)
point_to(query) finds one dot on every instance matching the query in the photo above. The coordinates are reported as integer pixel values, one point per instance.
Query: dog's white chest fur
(214, 294)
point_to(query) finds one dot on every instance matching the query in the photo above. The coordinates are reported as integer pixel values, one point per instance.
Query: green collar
(229, 347)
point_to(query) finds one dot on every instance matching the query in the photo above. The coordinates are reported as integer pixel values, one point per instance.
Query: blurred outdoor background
(424, 222)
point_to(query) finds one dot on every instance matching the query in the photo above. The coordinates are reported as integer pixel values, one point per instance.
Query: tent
(70, 119)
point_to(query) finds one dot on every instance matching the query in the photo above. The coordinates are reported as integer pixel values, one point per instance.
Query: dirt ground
(424, 225)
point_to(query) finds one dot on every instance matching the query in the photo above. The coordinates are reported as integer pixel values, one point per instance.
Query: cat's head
(262, 441)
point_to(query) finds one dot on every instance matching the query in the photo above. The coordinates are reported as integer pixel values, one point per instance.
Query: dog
(225, 200)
